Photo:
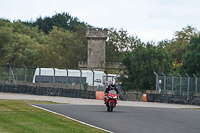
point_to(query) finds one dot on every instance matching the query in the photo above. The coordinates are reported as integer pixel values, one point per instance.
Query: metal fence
(24, 76)
(18, 76)
(177, 85)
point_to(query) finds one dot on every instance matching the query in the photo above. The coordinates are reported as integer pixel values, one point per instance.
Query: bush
(85, 85)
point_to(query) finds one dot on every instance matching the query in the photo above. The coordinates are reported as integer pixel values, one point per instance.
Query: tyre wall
(47, 91)
(177, 99)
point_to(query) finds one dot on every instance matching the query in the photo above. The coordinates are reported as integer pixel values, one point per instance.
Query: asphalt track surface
(129, 119)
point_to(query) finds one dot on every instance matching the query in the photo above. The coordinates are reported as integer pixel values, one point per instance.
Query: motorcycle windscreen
(112, 92)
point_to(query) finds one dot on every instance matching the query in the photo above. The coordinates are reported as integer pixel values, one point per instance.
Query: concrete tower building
(96, 49)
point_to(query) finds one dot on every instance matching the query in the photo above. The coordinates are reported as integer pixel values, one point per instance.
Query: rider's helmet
(112, 84)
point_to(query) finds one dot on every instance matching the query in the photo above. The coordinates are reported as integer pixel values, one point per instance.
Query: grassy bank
(17, 116)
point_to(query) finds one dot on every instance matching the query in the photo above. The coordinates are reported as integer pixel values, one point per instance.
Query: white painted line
(72, 119)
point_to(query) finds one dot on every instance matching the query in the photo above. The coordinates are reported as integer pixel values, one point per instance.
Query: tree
(140, 64)
(18, 44)
(62, 49)
(177, 46)
(61, 20)
(191, 58)
(21, 44)
(5, 37)
(20, 50)
(119, 41)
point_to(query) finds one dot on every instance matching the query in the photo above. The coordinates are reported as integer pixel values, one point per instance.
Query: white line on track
(72, 119)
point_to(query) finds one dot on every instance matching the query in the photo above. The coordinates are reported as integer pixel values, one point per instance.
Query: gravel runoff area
(80, 101)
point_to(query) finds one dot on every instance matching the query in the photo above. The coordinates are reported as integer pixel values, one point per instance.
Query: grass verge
(17, 116)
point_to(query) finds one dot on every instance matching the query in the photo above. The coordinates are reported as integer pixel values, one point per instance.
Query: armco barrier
(48, 91)
(191, 100)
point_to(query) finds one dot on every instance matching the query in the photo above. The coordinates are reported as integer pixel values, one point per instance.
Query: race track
(127, 119)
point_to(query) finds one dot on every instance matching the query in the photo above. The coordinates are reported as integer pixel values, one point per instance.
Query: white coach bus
(73, 76)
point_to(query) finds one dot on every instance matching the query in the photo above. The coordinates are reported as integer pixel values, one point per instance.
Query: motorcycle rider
(112, 86)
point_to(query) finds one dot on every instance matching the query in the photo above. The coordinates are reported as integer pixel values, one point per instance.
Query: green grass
(17, 116)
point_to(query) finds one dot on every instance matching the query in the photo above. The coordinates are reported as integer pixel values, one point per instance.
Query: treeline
(179, 55)
(59, 41)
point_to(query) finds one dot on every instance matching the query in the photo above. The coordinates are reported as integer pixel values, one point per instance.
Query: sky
(149, 20)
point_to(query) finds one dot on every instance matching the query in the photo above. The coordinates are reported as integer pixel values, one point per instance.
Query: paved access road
(127, 119)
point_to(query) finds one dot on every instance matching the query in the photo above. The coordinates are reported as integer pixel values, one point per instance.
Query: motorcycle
(111, 100)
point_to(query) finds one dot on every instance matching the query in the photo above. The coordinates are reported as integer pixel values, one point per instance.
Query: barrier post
(80, 77)
(172, 83)
(144, 98)
(54, 73)
(25, 74)
(195, 84)
(164, 82)
(67, 78)
(100, 95)
(180, 82)
(93, 79)
(39, 75)
(156, 81)
(9, 72)
(188, 87)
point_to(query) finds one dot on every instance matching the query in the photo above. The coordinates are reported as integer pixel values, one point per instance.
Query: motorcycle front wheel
(111, 106)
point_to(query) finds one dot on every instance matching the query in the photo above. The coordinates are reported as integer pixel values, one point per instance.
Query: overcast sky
(150, 20)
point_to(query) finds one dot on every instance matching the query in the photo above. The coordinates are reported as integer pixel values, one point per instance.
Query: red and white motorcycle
(111, 100)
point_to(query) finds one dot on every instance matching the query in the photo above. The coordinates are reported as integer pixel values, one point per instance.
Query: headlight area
(114, 97)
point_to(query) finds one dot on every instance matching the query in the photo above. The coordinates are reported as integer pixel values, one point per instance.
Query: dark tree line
(59, 41)
(60, 20)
